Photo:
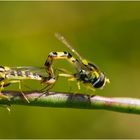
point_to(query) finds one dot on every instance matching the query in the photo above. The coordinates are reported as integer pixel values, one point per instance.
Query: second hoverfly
(10, 75)
(86, 72)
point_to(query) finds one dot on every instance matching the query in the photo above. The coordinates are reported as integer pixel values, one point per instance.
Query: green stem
(69, 100)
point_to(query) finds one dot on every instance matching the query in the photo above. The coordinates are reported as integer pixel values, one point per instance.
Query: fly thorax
(83, 76)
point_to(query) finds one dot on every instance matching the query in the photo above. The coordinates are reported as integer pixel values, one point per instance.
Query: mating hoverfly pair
(86, 72)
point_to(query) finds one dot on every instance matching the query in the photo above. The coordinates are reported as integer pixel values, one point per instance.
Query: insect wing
(67, 44)
(38, 70)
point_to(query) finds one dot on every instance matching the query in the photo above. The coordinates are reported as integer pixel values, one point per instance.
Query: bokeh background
(106, 33)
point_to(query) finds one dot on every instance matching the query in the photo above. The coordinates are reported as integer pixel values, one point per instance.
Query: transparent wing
(65, 42)
(26, 68)
(39, 70)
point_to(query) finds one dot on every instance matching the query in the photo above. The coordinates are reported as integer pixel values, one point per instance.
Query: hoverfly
(86, 72)
(10, 75)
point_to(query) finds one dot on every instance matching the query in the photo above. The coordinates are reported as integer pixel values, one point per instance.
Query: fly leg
(49, 82)
(22, 92)
(70, 77)
(2, 96)
(19, 82)
(44, 91)
(89, 88)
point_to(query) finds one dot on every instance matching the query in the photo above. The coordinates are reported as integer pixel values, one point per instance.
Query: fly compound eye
(100, 81)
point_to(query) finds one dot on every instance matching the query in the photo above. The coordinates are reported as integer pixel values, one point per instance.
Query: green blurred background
(106, 33)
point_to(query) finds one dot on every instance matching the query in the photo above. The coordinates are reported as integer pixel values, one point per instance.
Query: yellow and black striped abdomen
(60, 55)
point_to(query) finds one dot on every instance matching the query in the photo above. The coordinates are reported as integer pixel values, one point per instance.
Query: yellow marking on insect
(96, 74)
(85, 62)
(78, 85)
(107, 80)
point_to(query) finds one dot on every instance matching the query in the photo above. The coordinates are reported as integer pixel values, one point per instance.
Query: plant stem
(69, 100)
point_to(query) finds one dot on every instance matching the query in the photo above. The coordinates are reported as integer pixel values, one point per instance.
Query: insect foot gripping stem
(4, 97)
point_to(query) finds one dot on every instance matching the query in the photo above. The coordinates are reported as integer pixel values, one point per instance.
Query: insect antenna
(65, 42)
